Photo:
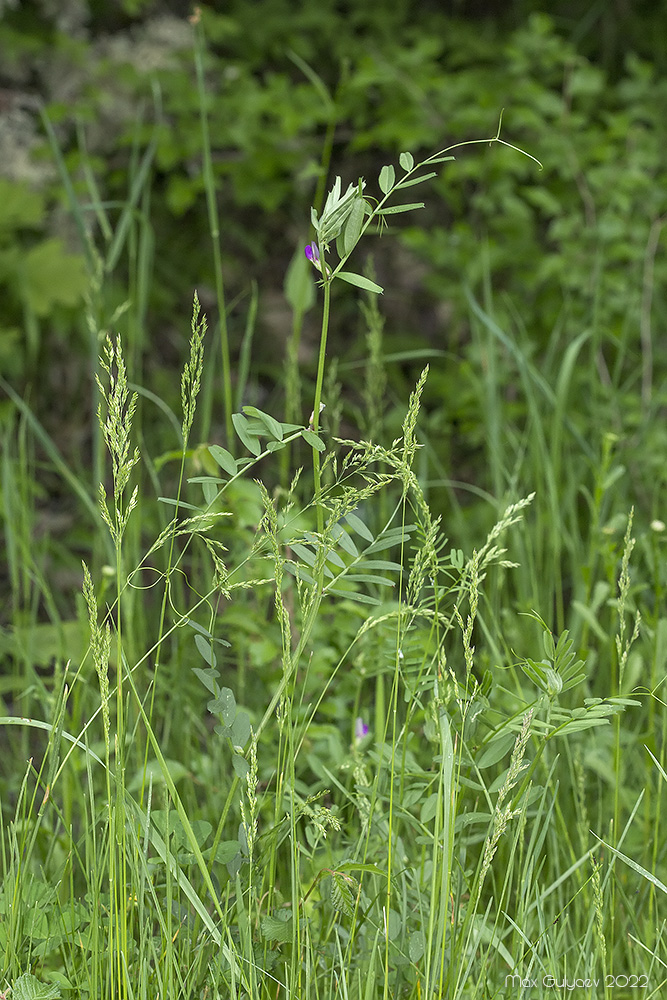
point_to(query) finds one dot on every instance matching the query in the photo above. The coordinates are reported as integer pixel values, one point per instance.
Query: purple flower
(313, 255)
(360, 730)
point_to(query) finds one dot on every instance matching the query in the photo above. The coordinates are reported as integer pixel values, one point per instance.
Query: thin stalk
(318, 397)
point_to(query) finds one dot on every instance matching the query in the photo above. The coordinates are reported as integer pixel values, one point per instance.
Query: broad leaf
(278, 928)
(28, 987)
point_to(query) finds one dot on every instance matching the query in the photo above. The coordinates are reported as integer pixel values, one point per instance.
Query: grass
(307, 742)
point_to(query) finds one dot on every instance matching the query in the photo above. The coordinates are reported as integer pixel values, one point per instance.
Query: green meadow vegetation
(333, 640)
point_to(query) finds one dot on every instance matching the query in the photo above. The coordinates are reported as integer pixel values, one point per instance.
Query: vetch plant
(345, 218)
(312, 764)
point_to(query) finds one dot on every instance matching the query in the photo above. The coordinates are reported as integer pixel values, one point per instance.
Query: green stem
(318, 396)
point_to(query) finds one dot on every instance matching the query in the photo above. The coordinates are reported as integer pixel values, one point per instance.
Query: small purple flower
(312, 252)
(313, 255)
(360, 730)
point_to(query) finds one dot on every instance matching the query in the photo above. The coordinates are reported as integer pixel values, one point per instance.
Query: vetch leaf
(240, 765)
(395, 536)
(334, 558)
(579, 725)
(303, 553)
(407, 161)
(416, 946)
(207, 479)
(224, 705)
(274, 428)
(226, 851)
(352, 595)
(210, 490)
(308, 557)
(497, 747)
(330, 556)
(386, 179)
(352, 229)
(344, 540)
(313, 440)
(360, 281)
(180, 504)
(196, 626)
(411, 181)
(223, 458)
(381, 581)
(356, 866)
(205, 650)
(382, 564)
(241, 428)
(208, 679)
(395, 209)
(241, 729)
(429, 809)
(358, 525)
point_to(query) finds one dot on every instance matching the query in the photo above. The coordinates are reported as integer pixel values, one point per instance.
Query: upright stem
(318, 397)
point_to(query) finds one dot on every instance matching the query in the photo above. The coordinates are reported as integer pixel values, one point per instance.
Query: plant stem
(318, 396)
